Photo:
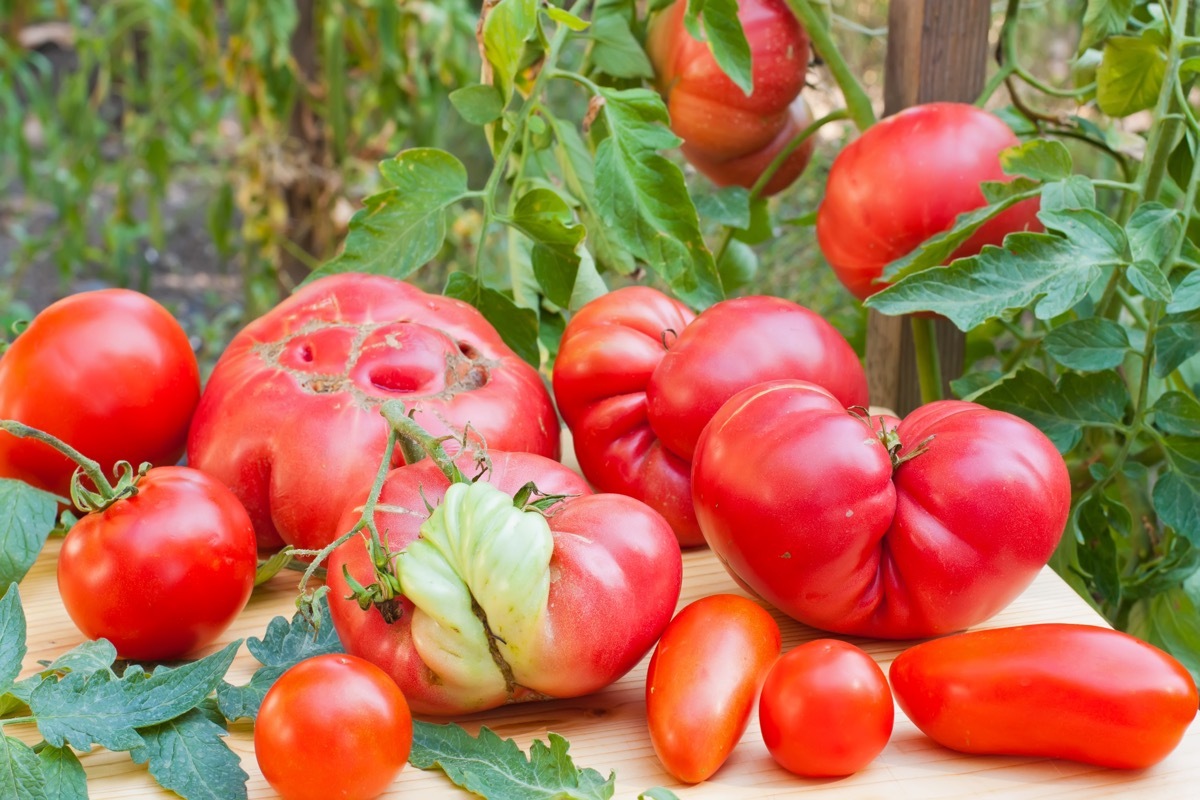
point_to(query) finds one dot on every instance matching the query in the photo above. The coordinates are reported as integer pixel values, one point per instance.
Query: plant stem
(90, 468)
(1162, 135)
(929, 369)
(857, 101)
(1007, 65)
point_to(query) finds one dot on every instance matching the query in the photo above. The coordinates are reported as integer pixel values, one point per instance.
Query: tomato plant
(826, 709)
(109, 372)
(332, 726)
(289, 419)
(703, 680)
(924, 528)
(160, 571)
(1078, 692)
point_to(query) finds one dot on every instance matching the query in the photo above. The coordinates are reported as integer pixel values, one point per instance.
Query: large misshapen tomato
(907, 178)
(728, 135)
(290, 416)
(638, 377)
(110, 373)
(932, 533)
(502, 604)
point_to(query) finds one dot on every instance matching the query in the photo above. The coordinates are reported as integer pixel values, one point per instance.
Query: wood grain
(607, 731)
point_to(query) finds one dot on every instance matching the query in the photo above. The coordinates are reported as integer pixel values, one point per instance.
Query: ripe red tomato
(332, 726)
(932, 532)
(729, 136)
(703, 680)
(163, 571)
(1055, 690)
(638, 377)
(905, 179)
(825, 710)
(109, 372)
(290, 417)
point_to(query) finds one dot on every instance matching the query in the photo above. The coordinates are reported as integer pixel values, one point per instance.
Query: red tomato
(805, 504)
(332, 726)
(162, 572)
(638, 377)
(1056, 690)
(289, 419)
(613, 582)
(110, 373)
(704, 678)
(729, 136)
(825, 710)
(907, 178)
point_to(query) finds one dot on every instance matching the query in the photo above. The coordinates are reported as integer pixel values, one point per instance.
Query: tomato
(162, 572)
(907, 178)
(332, 726)
(728, 135)
(924, 529)
(825, 710)
(109, 372)
(638, 377)
(502, 604)
(1055, 690)
(703, 680)
(289, 419)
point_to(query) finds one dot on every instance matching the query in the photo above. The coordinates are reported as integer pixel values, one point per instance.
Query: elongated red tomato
(703, 680)
(1079, 692)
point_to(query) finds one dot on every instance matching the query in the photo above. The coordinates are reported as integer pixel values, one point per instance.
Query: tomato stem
(417, 443)
(857, 101)
(929, 366)
(105, 493)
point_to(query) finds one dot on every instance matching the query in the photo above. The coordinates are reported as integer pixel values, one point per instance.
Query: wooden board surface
(607, 731)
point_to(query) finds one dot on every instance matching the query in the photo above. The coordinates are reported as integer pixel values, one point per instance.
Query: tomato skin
(332, 726)
(729, 136)
(109, 372)
(703, 681)
(638, 376)
(801, 502)
(290, 417)
(1058, 690)
(825, 710)
(906, 178)
(163, 572)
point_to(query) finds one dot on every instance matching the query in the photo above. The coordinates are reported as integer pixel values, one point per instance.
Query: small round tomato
(110, 373)
(163, 571)
(703, 679)
(332, 726)
(826, 709)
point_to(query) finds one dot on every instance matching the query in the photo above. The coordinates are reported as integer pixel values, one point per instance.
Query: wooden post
(937, 50)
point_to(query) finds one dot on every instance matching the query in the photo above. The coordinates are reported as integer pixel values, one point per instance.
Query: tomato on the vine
(332, 726)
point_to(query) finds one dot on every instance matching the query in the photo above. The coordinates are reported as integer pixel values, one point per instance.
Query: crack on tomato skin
(494, 642)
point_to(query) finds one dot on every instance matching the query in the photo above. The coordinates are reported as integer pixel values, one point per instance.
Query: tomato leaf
(83, 659)
(1074, 192)
(12, 638)
(102, 709)
(1176, 340)
(725, 36)
(1153, 231)
(1148, 279)
(497, 769)
(508, 24)
(728, 206)
(658, 793)
(188, 756)
(478, 104)
(1186, 296)
(738, 265)
(564, 17)
(516, 325)
(242, 702)
(543, 216)
(615, 50)
(1176, 627)
(1041, 159)
(26, 519)
(1130, 75)
(402, 228)
(1103, 19)
(1097, 553)
(1088, 344)
(1177, 413)
(20, 772)
(63, 774)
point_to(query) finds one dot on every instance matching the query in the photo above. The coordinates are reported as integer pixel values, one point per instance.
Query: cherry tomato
(109, 372)
(1078, 692)
(703, 680)
(332, 726)
(162, 572)
(825, 709)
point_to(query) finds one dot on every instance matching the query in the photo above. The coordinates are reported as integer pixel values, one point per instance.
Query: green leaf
(100, 709)
(644, 197)
(729, 206)
(658, 793)
(242, 702)
(1148, 279)
(1041, 159)
(84, 659)
(555, 274)
(725, 36)
(63, 774)
(1098, 552)
(1176, 340)
(1074, 192)
(1183, 455)
(26, 519)
(999, 191)
(496, 768)
(1176, 623)
(1130, 75)
(188, 756)
(738, 265)
(1103, 19)
(1153, 231)
(542, 215)
(287, 643)
(508, 24)
(1177, 413)
(20, 771)
(1088, 344)
(1177, 500)
(1062, 411)
(1186, 296)
(616, 51)
(478, 104)
(402, 228)
(564, 17)
(517, 326)
(12, 638)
